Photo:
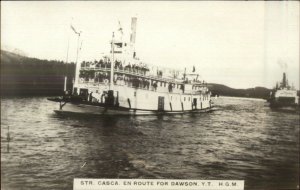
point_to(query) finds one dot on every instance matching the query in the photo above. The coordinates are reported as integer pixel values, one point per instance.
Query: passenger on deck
(170, 87)
(155, 86)
(91, 97)
(182, 88)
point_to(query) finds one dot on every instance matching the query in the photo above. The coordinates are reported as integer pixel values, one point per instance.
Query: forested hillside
(257, 92)
(22, 75)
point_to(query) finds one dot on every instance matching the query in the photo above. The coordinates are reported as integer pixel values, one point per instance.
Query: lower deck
(141, 99)
(92, 109)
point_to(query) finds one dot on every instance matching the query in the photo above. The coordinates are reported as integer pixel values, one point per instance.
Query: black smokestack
(284, 81)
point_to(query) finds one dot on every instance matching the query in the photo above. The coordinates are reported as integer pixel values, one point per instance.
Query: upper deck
(139, 76)
(138, 71)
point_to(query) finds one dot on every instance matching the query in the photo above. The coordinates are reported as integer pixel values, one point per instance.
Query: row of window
(184, 98)
(178, 86)
(189, 98)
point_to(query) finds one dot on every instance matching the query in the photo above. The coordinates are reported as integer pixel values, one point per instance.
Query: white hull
(144, 99)
(92, 110)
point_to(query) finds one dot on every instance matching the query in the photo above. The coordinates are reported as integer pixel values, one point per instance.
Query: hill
(257, 92)
(22, 75)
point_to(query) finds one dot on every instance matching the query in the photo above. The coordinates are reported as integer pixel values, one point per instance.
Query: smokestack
(133, 30)
(284, 80)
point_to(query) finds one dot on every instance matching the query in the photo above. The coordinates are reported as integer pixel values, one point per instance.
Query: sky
(240, 44)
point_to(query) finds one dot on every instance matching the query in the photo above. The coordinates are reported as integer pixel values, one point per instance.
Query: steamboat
(121, 84)
(284, 95)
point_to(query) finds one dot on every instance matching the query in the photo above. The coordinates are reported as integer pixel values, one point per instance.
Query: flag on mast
(120, 28)
(72, 27)
(118, 44)
(117, 47)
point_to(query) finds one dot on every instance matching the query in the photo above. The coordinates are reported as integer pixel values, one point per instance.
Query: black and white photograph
(150, 95)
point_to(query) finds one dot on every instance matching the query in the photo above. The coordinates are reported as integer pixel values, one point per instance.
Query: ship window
(171, 97)
(189, 98)
(134, 93)
(165, 84)
(160, 83)
(184, 98)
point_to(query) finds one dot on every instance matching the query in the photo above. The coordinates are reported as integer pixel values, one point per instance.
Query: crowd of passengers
(140, 68)
(133, 81)
(137, 68)
(121, 79)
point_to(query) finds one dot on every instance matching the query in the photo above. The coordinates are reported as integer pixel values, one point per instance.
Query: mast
(66, 76)
(77, 65)
(111, 84)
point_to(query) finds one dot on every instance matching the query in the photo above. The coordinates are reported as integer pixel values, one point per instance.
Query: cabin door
(195, 103)
(161, 103)
(84, 93)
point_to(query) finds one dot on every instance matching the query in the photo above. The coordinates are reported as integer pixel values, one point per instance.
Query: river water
(243, 139)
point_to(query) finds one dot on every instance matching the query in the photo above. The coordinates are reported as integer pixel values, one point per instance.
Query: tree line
(257, 92)
(22, 75)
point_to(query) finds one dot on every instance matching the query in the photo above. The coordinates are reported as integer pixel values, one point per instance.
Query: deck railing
(150, 87)
(134, 72)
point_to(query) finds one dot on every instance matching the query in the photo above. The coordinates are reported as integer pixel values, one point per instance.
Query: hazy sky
(237, 43)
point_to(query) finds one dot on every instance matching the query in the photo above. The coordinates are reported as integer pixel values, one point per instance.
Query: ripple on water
(241, 139)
